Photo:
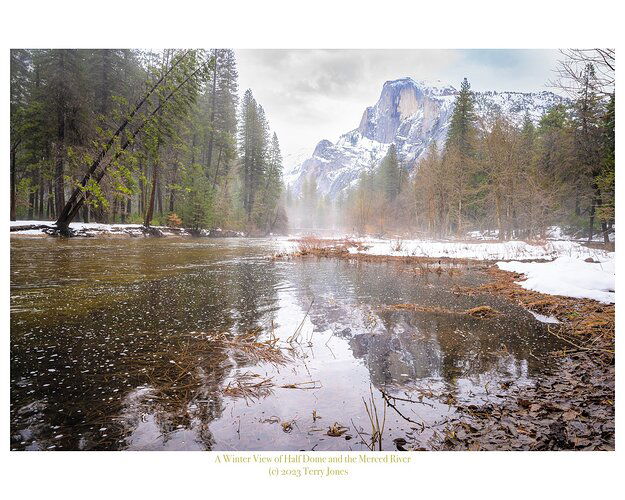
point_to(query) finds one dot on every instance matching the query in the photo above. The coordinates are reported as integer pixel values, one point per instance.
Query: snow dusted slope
(337, 166)
(410, 114)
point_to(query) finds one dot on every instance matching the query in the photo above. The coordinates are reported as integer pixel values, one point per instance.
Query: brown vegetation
(572, 408)
(480, 312)
(249, 386)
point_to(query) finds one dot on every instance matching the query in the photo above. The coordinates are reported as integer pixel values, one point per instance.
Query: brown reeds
(249, 386)
(480, 312)
(377, 428)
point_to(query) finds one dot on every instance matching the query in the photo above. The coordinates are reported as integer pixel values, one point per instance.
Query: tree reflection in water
(138, 355)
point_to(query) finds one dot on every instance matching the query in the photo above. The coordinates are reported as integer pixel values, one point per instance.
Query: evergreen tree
(253, 149)
(391, 174)
(606, 179)
(461, 133)
(458, 152)
(588, 112)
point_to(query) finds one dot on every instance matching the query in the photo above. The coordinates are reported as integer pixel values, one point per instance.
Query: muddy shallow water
(113, 347)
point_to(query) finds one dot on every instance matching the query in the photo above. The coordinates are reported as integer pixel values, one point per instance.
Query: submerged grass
(249, 386)
(480, 312)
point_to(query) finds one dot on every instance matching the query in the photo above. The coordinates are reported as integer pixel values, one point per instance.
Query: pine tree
(588, 125)
(461, 133)
(391, 174)
(459, 150)
(606, 179)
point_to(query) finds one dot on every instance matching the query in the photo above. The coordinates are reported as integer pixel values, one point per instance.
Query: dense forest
(136, 136)
(160, 138)
(495, 175)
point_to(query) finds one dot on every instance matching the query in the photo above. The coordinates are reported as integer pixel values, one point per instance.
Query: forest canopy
(162, 138)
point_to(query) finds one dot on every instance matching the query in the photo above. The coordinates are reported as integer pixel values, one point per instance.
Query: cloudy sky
(310, 95)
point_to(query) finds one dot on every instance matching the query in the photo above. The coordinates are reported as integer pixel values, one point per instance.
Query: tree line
(137, 136)
(513, 180)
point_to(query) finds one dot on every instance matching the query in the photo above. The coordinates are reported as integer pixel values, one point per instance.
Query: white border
(293, 24)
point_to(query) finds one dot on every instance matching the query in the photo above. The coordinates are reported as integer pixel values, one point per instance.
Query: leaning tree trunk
(73, 205)
(217, 168)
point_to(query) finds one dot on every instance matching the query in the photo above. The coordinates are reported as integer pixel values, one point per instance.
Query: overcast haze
(310, 95)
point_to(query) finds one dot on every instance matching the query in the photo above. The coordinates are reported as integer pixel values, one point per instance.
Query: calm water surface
(113, 346)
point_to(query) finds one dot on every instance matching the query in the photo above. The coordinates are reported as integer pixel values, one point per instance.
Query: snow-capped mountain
(410, 114)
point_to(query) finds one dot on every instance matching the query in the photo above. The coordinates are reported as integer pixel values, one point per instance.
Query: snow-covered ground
(507, 250)
(97, 229)
(85, 227)
(568, 276)
(92, 228)
(74, 225)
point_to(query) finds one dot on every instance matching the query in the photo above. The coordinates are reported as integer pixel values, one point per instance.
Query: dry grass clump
(311, 245)
(480, 312)
(397, 245)
(254, 350)
(249, 386)
(419, 308)
(377, 427)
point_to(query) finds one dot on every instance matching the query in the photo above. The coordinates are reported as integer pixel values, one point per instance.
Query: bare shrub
(309, 244)
(173, 220)
(397, 245)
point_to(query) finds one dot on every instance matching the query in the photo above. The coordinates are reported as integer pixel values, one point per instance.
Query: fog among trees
(492, 174)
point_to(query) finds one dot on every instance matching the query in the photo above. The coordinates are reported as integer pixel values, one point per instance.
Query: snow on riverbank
(97, 229)
(83, 228)
(508, 250)
(567, 273)
(567, 276)
(74, 225)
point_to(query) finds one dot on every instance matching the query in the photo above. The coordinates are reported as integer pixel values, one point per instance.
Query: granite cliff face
(410, 114)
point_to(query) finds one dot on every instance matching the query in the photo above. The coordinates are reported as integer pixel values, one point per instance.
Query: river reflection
(132, 344)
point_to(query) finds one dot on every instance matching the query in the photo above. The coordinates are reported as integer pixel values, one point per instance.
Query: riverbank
(564, 268)
(565, 284)
(570, 408)
(94, 229)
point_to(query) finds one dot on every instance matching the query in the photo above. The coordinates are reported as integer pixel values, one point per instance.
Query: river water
(167, 344)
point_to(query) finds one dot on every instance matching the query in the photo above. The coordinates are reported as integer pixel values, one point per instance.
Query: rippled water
(113, 347)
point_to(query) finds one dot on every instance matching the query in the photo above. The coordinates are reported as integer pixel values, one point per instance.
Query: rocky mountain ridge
(410, 114)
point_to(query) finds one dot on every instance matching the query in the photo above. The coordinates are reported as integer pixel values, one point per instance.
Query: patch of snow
(89, 228)
(545, 319)
(568, 276)
(507, 250)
